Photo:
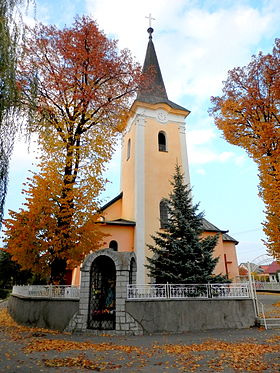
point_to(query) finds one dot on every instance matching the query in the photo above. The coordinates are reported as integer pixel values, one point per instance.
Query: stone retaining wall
(177, 316)
(49, 313)
(132, 316)
(139, 316)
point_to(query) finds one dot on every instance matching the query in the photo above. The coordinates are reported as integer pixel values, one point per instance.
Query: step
(270, 322)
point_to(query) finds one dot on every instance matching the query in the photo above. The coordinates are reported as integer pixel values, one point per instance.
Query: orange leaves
(77, 89)
(55, 224)
(57, 350)
(239, 356)
(217, 355)
(64, 345)
(248, 115)
(82, 77)
(248, 112)
(81, 362)
(11, 327)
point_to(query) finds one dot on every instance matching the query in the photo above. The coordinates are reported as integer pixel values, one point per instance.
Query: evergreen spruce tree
(181, 256)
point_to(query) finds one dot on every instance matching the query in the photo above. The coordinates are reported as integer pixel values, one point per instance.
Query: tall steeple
(153, 142)
(156, 89)
(154, 92)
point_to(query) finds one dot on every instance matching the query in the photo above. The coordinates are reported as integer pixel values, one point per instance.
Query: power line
(250, 230)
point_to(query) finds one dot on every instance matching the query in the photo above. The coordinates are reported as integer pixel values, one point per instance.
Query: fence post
(252, 292)
(209, 291)
(167, 290)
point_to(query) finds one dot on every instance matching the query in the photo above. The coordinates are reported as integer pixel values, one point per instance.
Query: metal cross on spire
(150, 18)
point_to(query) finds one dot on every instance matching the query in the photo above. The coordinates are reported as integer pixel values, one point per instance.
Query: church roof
(209, 227)
(227, 237)
(119, 196)
(120, 222)
(155, 91)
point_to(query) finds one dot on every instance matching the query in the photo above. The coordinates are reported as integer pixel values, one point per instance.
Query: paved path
(30, 350)
(26, 350)
(3, 304)
(269, 299)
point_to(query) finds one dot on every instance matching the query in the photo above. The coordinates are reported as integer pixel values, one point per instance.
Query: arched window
(128, 149)
(132, 272)
(162, 146)
(163, 213)
(113, 245)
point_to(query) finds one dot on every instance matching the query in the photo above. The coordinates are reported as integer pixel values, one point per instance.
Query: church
(153, 141)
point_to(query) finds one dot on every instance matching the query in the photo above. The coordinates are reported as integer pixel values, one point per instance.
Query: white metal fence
(151, 291)
(47, 291)
(202, 291)
(266, 286)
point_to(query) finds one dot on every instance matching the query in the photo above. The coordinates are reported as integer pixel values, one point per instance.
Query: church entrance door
(102, 302)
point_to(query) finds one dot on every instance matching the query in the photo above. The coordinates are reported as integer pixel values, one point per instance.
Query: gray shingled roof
(155, 92)
(120, 222)
(227, 237)
(209, 227)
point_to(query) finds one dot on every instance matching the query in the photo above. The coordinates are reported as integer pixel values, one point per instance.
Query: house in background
(256, 271)
(263, 273)
(153, 141)
(272, 271)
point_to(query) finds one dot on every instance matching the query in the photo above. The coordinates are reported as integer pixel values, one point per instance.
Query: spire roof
(155, 92)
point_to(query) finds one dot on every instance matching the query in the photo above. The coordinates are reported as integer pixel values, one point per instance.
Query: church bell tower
(153, 142)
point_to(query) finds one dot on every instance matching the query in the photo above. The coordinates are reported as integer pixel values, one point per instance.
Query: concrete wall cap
(122, 260)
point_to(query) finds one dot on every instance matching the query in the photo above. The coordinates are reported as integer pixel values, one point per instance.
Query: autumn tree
(76, 90)
(9, 95)
(248, 113)
(180, 254)
(34, 235)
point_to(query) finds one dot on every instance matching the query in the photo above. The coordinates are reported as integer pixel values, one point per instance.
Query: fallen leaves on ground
(81, 362)
(39, 345)
(244, 356)
(274, 339)
(275, 312)
(9, 325)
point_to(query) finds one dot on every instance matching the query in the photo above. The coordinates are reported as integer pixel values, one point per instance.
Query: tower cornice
(159, 105)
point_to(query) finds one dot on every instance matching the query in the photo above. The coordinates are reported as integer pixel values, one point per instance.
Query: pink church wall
(226, 252)
(231, 258)
(124, 235)
(218, 252)
(114, 211)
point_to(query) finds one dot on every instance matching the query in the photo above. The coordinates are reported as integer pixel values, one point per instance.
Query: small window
(132, 272)
(113, 245)
(163, 213)
(128, 149)
(162, 142)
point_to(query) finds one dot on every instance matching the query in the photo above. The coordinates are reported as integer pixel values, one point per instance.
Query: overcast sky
(197, 42)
